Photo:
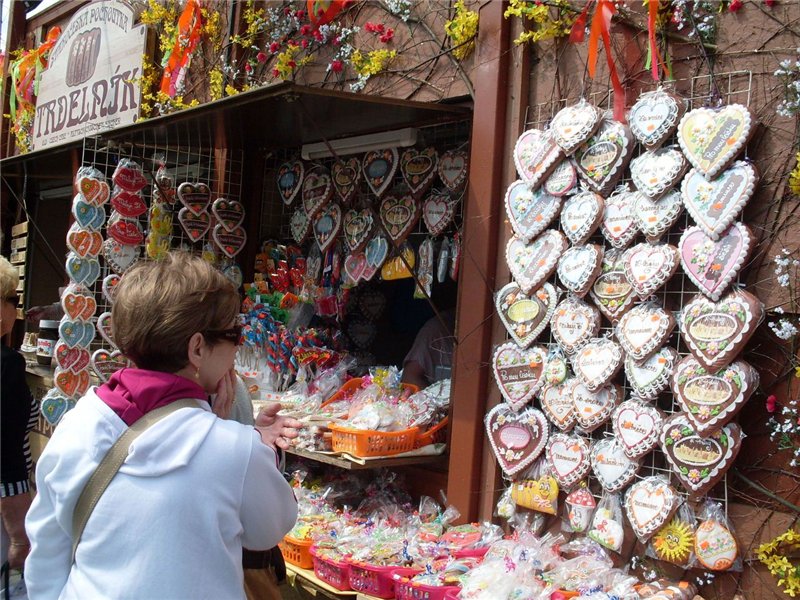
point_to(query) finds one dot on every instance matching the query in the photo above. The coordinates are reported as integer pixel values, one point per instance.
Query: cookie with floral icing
(713, 137)
(612, 292)
(602, 159)
(655, 116)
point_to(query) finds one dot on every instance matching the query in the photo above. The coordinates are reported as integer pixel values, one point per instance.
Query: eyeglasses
(13, 299)
(234, 334)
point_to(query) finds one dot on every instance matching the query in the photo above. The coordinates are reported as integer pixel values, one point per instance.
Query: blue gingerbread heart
(88, 215)
(83, 270)
(54, 406)
(76, 333)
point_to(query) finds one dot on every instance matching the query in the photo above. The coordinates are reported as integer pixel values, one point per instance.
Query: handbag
(111, 464)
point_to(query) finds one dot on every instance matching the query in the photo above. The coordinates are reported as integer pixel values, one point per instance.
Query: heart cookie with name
(379, 167)
(602, 159)
(618, 224)
(644, 329)
(562, 180)
(78, 302)
(611, 466)
(327, 224)
(128, 204)
(649, 266)
(531, 264)
(716, 332)
(316, 191)
(76, 333)
(354, 266)
(536, 154)
(649, 504)
(437, 213)
(230, 242)
(299, 225)
(597, 362)
(87, 215)
(376, 251)
(418, 169)
(529, 212)
(581, 216)
(651, 376)
(290, 180)
(125, 231)
(699, 462)
(74, 359)
(579, 266)
(398, 214)
(345, 175)
(713, 265)
(574, 323)
(105, 363)
(71, 384)
(453, 169)
(109, 287)
(195, 197)
(84, 242)
(712, 137)
(575, 124)
(229, 213)
(556, 401)
(517, 439)
(568, 458)
(195, 226)
(593, 408)
(525, 316)
(655, 116)
(637, 426)
(83, 270)
(715, 204)
(93, 189)
(711, 398)
(129, 176)
(656, 172)
(105, 328)
(655, 217)
(54, 406)
(357, 228)
(611, 291)
(518, 372)
(120, 257)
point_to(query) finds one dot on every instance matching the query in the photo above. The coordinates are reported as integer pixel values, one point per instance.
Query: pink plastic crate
(370, 579)
(334, 573)
(405, 589)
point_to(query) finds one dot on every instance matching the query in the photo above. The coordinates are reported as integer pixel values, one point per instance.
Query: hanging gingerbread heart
(299, 225)
(362, 333)
(71, 384)
(581, 216)
(655, 217)
(78, 302)
(711, 398)
(651, 376)
(715, 204)
(649, 266)
(87, 215)
(93, 189)
(345, 175)
(84, 242)
(649, 504)
(229, 213)
(518, 372)
(195, 197)
(74, 359)
(618, 224)
(644, 329)
(125, 231)
(575, 124)
(120, 257)
(563, 180)
(579, 266)
(379, 167)
(536, 154)
(398, 214)
(437, 213)
(716, 332)
(105, 363)
(128, 204)
(372, 302)
(556, 401)
(712, 137)
(655, 173)
(517, 439)
(531, 264)
(611, 466)
(354, 267)
(230, 242)
(453, 169)
(290, 180)
(105, 328)
(654, 117)
(525, 316)
(109, 287)
(594, 407)
(327, 224)
(601, 160)
(195, 226)
(376, 251)
(76, 333)
(54, 406)
(129, 176)
(574, 323)
(418, 169)
(82, 270)
(357, 228)
(712, 266)
(611, 292)
(637, 426)
(529, 212)
(597, 362)
(568, 458)
(316, 191)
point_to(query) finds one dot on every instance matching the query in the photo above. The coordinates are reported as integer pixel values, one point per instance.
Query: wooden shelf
(372, 463)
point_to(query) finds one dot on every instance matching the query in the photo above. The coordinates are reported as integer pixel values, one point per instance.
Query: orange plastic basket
(351, 386)
(296, 552)
(367, 442)
(434, 435)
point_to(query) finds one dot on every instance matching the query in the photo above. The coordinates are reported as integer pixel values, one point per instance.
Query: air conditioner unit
(399, 138)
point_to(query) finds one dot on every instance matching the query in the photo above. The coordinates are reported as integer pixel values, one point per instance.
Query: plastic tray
(434, 435)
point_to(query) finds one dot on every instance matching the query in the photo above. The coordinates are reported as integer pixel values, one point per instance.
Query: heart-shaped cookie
(84, 242)
(418, 169)
(601, 160)
(717, 331)
(568, 458)
(593, 408)
(453, 169)
(354, 266)
(361, 332)
(611, 292)
(618, 224)
(699, 462)
(71, 384)
(82, 270)
(129, 176)
(78, 302)
(656, 172)
(712, 398)
(562, 180)
(372, 302)
(536, 154)
(611, 466)
(74, 359)
(357, 228)
(529, 212)
(54, 406)
(654, 117)
(579, 266)
(120, 257)
(398, 214)
(649, 266)
(195, 226)
(229, 213)
(715, 204)
(326, 224)
(574, 323)
(105, 363)
(556, 401)
(712, 266)
(516, 438)
(525, 316)
(581, 216)
(299, 225)
(290, 180)
(230, 242)
(87, 215)
(379, 167)
(128, 204)
(195, 197)
(437, 213)
(345, 175)
(316, 190)
(651, 376)
(376, 251)
(637, 426)
(109, 287)
(597, 362)
(644, 329)
(105, 328)
(655, 217)
(93, 189)
(712, 137)
(127, 232)
(575, 124)
(518, 372)
(531, 264)
(649, 504)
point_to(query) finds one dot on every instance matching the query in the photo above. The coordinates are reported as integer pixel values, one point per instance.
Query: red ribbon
(189, 27)
(654, 58)
(601, 27)
(324, 11)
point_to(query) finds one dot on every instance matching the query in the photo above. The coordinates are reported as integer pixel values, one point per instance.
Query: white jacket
(193, 490)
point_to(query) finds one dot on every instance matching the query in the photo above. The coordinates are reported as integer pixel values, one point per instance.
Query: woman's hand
(274, 429)
(225, 396)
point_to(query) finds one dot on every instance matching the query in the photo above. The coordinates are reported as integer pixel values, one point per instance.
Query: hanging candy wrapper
(607, 529)
(444, 261)
(424, 270)
(674, 542)
(536, 489)
(715, 544)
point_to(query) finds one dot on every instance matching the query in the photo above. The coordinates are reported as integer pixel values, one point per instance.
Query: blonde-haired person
(194, 488)
(16, 420)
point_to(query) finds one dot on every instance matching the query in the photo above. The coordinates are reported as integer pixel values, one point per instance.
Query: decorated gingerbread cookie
(714, 545)
(357, 228)
(612, 292)
(557, 404)
(574, 323)
(651, 376)
(655, 173)
(418, 168)
(518, 372)
(531, 264)
(525, 315)
(581, 216)
(575, 124)
(437, 212)
(618, 224)
(563, 180)
(580, 505)
(290, 180)
(379, 167)
(536, 154)
(611, 466)
(713, 265)
(327, 224)
(345, 175)
(529, 212)
(597, 362)
(644, 329)
(517, 438)
(453, 169)
(579, 266)
(649, 505)
(568, 458)
(655, 217)
(399, 214)
(649, 266)
(602, 159)
(317, 190)
(594, 407)
(637, 426)
(655, 116)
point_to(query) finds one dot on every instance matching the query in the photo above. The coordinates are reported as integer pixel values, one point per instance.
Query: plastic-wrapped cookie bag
(607, 524)
(674, 542)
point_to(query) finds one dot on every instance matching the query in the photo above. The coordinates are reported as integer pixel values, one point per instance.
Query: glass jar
(46, 342)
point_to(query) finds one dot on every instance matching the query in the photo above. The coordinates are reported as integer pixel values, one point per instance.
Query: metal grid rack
(727, 88)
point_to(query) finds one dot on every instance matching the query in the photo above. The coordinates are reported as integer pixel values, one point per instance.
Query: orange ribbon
(189, 26)
(601, 27)
(324, 11)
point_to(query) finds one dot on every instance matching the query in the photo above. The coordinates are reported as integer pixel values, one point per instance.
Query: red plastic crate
(374, 580)
(334, 573)
(405, 589)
